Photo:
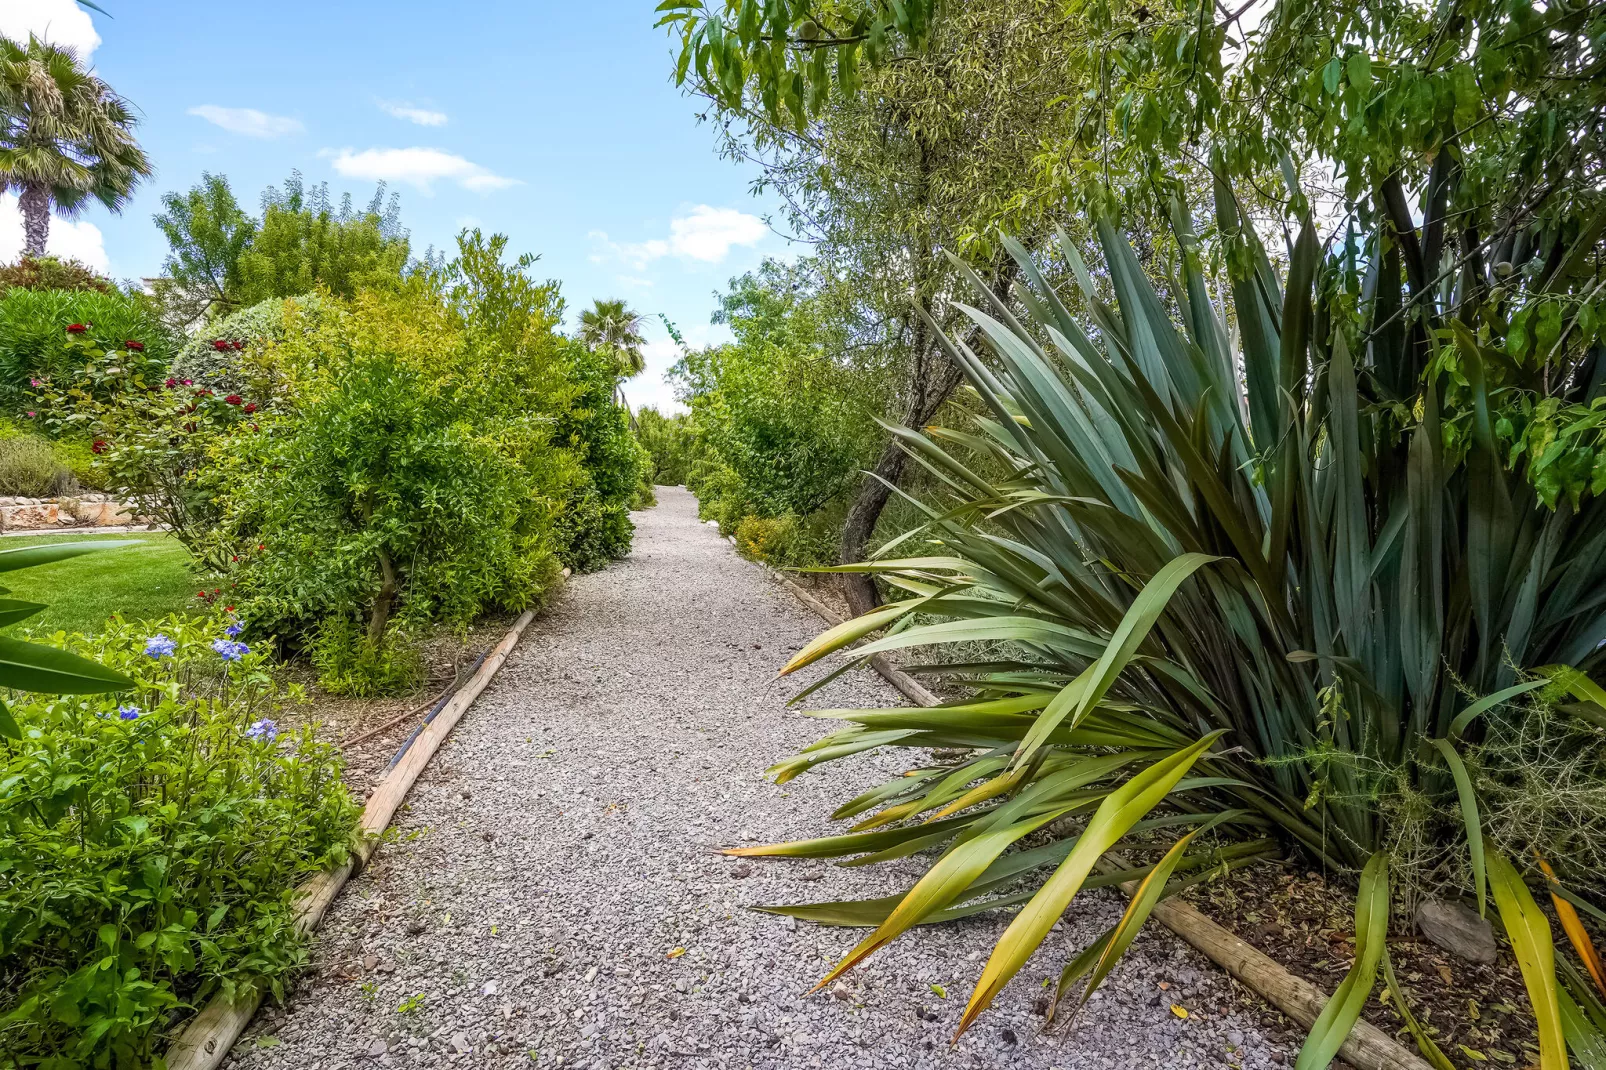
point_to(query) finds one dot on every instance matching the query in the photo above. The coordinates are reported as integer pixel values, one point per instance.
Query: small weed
(411, 1005)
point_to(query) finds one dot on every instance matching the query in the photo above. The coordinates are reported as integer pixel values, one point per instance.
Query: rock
(741, 871)
(1458, 930)
(1008, 1036)
(490, 988)
(377, 1048)
(460, 1044)
(415, 926)
(370, 963)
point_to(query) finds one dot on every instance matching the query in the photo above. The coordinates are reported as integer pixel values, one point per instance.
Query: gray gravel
(562, 846)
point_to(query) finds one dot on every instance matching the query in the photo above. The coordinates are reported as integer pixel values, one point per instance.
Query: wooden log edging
(1366, 1048)
(206, 1041)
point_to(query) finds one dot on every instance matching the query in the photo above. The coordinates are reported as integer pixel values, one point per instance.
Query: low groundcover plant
(150, 842)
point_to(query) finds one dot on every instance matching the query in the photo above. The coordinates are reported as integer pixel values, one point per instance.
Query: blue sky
(554, 123)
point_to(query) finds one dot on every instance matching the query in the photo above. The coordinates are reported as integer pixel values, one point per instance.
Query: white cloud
(77, 239)
(61, 22)
(421, 116)
(248, 121)
(418, 167)
(705, 233)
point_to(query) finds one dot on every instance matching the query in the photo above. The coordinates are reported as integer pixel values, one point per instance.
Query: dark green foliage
(378, 497)
(207, 232)
(34, 341)
(594, 526)
(149, 858)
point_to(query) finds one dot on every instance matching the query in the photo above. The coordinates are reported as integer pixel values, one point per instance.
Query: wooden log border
(207, 1040)
(1366, 1048)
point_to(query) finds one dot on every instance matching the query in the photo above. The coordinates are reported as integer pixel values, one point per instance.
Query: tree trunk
(383, 601)
(35, 206)
(935, 378)
(860, 589)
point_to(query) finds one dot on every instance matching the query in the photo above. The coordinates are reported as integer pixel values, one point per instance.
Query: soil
(1307, 923)
(360, 726)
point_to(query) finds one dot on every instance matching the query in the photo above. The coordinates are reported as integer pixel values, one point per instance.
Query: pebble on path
(552, 896)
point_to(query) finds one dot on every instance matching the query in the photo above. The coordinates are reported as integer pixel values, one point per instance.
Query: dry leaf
(1179, 1010)
(675, 954)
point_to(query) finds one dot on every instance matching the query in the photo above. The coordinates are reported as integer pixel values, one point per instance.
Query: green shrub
(594, 526)
(214, 357)
(671, 443)
(349, 663)
(34, 339)
(51, 273)
(150, 843)
(30, 468)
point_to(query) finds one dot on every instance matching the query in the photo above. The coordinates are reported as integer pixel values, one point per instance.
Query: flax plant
(1259, 579)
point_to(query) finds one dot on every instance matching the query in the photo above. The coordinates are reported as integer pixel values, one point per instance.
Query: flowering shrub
(34, 340)
(149, 843)
(218, 357)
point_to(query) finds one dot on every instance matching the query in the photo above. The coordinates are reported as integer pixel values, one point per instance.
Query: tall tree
(910, 161)
(613, 325)
(207, 233)
(66, 137)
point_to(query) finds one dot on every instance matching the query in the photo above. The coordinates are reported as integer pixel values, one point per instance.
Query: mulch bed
(1307, 923)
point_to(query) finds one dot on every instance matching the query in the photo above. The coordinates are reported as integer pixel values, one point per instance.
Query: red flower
(254, 427)
(98, 446)
(261, 546)
(170, 383)
(135, 346)
(76, 328)
(239, 345)
(200, 594)
(219, 344)
(203, 392)
(189, 382)
(250, 408)
(234, 399)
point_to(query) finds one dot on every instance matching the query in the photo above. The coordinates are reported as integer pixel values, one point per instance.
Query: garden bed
(1307, 924)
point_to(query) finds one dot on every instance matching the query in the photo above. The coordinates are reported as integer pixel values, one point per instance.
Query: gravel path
(562, 846)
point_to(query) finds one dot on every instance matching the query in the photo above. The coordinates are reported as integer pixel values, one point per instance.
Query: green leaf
(1529, 931)
(31, 556)
(48, 670)
(13, 610)
(1343, 1010)
(8, 724)
(1119, 811)
(1469, 816)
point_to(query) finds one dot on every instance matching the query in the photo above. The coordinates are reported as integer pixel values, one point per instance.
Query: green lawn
(139, 581)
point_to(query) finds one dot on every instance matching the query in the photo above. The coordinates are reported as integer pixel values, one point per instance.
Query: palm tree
(613, 325)
(65, 137)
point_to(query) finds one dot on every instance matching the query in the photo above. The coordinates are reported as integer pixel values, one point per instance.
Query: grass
(142, 582)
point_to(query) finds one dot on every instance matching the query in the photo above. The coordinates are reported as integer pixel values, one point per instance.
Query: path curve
(562, 846)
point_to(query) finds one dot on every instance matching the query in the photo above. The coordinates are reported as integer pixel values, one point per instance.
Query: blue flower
(263, 731)
(229, 650)
(159, 646)
(234, 629)
(129, 713)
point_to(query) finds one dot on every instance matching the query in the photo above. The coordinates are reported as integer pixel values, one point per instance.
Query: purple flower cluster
(233, 631)
(159, 646)
(129, 713)
(229, 650)
(263, 731)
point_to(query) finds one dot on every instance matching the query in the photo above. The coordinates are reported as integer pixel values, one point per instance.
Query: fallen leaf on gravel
(1165, 986)
(1445, 975)
(1179, 1010)
(939, 991)
(675, 954)
(1473, 1053)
